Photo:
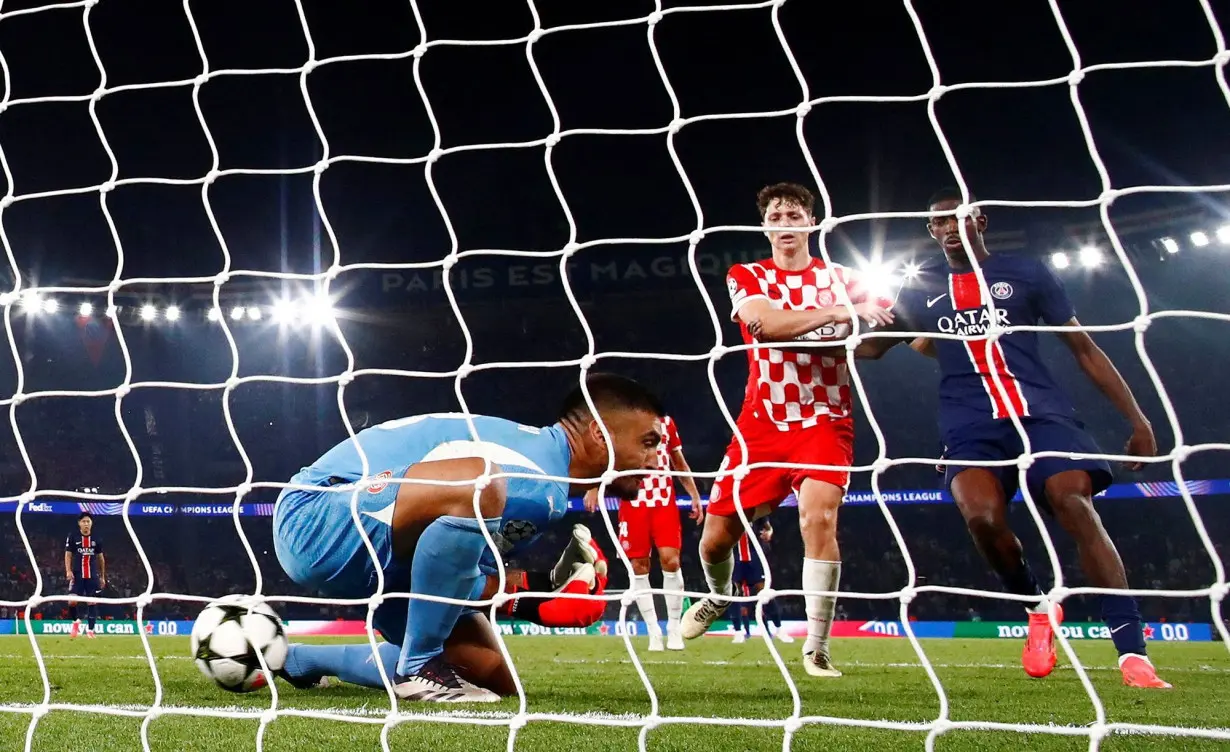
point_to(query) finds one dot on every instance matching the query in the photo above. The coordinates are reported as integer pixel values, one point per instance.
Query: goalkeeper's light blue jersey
(533, 501)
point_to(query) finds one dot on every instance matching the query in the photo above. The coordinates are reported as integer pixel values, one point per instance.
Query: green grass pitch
(592, 677)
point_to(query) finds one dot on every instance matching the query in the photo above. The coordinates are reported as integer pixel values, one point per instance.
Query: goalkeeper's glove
(586, 578)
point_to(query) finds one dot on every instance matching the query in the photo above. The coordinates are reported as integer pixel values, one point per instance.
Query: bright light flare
(254, 313)
(237, 313)
(1171, 245)
(1091, 257)
(172, 313)
(285, 311)
(148, 312)
(1223, 234)
(50, 305)
(85, 309)
(1060, 260)
(214, 314)
(1200, 238)
(318, 310)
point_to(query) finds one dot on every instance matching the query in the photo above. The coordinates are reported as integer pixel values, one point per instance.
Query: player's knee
(669, 560)
(491, 500)
(986, 525)
(640, 566)
(1074, 511)
(491, 497)
(819, 516)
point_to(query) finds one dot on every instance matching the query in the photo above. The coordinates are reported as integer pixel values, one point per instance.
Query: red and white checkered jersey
(659, 490)
(794, 390)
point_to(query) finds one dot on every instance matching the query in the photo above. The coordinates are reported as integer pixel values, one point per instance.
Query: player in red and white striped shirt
(797, 409)
(651, 520)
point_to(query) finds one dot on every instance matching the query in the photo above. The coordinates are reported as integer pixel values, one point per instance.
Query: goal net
(269, 174)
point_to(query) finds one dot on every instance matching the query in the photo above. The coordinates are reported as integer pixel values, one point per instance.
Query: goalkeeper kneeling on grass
(445, 485)
(557, 601)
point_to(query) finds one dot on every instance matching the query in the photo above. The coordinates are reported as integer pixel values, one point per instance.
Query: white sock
(718, 574)
(820, 575)
(674, 603)
(644, 603)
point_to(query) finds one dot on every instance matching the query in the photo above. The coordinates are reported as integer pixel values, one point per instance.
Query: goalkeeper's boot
(697, 619)
(818, 663)
(1139, 672)
(1038, 656)
(437, 681)
(578, 551)
(76, 630)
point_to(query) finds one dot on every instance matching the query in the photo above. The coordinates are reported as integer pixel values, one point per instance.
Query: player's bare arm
(102, 571)
(923, 346)
(591, 500)
(1093, 361)
(68, 567)
(769, 324)
(679, 463)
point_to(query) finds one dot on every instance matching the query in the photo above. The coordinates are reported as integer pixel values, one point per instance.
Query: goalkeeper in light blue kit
(429, 541)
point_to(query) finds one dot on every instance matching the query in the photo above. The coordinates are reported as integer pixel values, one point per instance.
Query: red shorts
(829, 442)
(642, 528)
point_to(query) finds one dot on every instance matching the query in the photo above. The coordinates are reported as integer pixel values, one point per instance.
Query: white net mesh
(792, 721)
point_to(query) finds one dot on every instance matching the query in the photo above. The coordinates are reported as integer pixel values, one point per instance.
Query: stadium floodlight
(50, 305)
(284, 311)
(911, 270)
(85, 309)
(1223, 234)
(32, 302)
(1060, 260)
(148, 312)
(173, 313)
(6, 298)
(1170, 244)
(1091, 257)
(237, 313)
(214, 314)
(254, 313)
(1199, 238)
(318, 310)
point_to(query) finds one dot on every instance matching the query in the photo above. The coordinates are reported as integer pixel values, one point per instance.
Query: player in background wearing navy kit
(429, 540)
(975, 422)
(85, 566)
(748, 579)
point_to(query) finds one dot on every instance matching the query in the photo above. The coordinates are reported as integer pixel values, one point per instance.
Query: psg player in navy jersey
(975, 421)
(85, 565)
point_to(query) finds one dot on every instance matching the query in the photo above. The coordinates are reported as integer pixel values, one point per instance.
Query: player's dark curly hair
(609, 390)
(787, 193)
(85, 515)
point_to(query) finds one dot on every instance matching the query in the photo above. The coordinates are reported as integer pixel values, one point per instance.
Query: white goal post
(792, 719)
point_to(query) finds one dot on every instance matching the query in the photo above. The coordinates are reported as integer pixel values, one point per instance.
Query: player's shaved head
(610, 391)
(948, 193)
(787, 194)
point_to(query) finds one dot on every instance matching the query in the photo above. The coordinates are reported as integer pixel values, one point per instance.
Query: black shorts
(999, 440)
(87, 586)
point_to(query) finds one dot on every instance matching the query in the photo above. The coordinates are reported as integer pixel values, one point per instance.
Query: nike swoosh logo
(936, 299)
(1116, 629)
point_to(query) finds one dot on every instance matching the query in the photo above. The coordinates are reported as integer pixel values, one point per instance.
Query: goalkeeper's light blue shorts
(318, 543)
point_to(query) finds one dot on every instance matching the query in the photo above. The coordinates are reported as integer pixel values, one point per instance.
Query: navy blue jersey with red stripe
(744, 551)
(1025, 293)
(84, 549)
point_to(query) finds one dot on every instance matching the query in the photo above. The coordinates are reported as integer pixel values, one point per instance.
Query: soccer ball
(226, 638)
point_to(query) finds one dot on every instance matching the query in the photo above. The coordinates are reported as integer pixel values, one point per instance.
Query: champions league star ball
(226, 638)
